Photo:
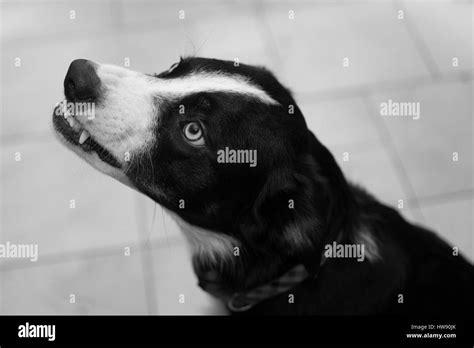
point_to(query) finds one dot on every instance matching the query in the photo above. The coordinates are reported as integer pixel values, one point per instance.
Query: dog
(274, 226)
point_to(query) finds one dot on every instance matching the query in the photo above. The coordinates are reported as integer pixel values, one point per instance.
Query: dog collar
(243, 301)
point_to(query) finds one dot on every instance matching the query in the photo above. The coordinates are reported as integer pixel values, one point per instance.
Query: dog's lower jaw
(93, 159)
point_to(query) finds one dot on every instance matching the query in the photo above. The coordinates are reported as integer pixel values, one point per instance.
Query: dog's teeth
(84, 136)
(71, 121)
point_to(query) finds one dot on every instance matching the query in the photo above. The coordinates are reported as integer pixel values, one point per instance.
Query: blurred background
(341, 59)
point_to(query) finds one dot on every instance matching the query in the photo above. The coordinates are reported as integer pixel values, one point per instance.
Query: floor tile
(453, 220)
(174, 277)
(206, 30)
(169, 13)
(426, 145)
(36, 20)
(232, 32)
(305, 53)
(39, 189)
(152, 58)
(372, 169)
(161, 14)
(105, 285)
(339, 122)
(413, 215)
(30, 92)
(314, 44)
(154, 223)
(445, 27)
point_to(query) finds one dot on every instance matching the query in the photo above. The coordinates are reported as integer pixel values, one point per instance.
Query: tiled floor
(82, 249)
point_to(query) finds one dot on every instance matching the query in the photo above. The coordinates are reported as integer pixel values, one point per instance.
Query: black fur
(251, 205)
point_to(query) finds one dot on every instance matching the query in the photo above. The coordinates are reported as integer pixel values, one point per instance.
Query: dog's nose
(81, 82)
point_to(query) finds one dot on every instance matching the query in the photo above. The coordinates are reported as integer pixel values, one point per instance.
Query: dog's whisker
(164, 225)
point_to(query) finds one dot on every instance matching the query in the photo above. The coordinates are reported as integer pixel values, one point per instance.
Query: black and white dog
(274, 226)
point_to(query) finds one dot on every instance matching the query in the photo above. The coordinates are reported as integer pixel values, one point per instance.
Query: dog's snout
(81, 82)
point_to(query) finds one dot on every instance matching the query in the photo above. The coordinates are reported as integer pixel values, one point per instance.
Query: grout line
(36, 136)
(418, 41)
(444, 197)
(116, 7)
(90, 253)
(359, 146)
(271, 46)
(109, 28)
(146, 258)
(389, 146)
(384, 86)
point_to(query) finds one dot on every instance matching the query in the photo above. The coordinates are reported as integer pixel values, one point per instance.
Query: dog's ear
(340, 210)
(285, 215)
(300, 209)
(341, 206)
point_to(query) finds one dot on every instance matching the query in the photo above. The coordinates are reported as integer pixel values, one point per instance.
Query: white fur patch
(209, 82)
(371, 250)
(293, 233)
(296, 237)
(207, 245)
(126, 114)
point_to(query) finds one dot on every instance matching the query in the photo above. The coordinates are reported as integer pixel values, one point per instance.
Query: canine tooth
(84, 136)
(65, 110)
(71, 121)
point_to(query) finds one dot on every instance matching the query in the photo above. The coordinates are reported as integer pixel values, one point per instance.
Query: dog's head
(222, 145)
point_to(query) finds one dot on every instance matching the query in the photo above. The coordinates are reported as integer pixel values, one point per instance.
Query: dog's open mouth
(74, 134)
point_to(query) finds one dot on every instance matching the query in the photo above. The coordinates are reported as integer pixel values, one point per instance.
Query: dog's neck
(224, 265)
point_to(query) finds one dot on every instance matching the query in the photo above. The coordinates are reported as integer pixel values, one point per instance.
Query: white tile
(165, 14)
(37, 193)
(425, 146)
(313, 45)
(206, 30)
(412, 214)
(104, 285)
(339, 122)
(29, 92)
(174, 277)
(38, 20)
(372, 169)
(446, 29)
(453, 221)
(154, 223)
(153, 50)
(232, 31)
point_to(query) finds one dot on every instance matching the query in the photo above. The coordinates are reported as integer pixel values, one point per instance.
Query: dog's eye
(193, 133)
